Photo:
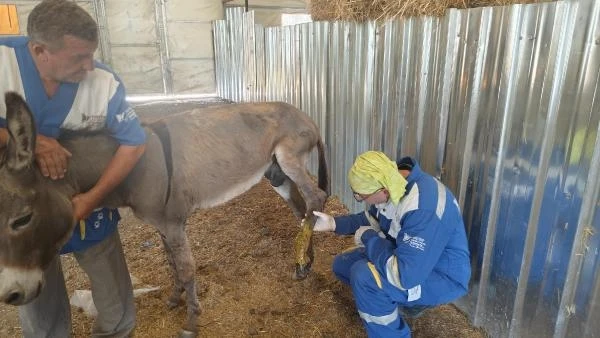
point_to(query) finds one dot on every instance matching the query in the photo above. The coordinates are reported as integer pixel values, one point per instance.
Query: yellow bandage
(82, 229)
(372, 171)
(375, 274)
(352, 248)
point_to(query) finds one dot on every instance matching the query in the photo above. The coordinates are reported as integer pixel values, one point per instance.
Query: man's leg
(105, 265)
(377, 309)
(49, 315)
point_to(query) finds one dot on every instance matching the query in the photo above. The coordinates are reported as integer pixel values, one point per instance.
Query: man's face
(72, 61)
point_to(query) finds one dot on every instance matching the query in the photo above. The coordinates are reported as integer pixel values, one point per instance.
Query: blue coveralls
(422, 261)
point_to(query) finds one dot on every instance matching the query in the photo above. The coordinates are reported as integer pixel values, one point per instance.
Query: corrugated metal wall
(503, 104)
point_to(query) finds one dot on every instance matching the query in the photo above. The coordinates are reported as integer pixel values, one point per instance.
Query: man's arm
(348, 224)
(115, 172)
(124, 126)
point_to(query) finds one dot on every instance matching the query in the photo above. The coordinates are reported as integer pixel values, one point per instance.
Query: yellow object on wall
(9, 21)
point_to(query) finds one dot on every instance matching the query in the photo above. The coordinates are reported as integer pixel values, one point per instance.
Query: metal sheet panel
(131, 22)
(138, 68)
(190, 40)
(192, 76)
(194, 11)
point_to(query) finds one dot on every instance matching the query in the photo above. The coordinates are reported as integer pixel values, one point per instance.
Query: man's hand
(324, 222)
(51, 157)
(83, 205)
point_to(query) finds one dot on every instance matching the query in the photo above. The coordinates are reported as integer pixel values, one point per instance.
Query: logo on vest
(414, 242)
(93, 121)
(127, 115)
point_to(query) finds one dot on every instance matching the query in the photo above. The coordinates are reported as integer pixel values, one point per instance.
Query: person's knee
(341, 267)
(362, 276)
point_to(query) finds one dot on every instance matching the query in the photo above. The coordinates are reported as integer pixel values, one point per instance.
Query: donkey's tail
(324, 182)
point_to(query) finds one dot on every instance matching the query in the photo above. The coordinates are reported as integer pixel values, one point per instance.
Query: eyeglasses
(361, 197)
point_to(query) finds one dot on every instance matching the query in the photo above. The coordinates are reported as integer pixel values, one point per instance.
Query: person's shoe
(413, 311)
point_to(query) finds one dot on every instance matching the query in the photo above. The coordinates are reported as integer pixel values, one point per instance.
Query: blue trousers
(376, 299)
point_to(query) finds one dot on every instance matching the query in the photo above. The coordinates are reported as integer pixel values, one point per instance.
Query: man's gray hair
(51, 20)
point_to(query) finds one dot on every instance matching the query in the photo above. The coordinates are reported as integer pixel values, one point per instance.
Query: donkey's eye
(21, 222)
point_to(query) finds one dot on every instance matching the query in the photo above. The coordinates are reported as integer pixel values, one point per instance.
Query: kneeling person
(412, 249)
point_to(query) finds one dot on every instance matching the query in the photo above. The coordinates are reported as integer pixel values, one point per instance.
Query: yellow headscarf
(373, 170)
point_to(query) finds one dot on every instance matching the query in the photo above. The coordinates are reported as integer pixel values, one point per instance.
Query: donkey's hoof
(187, 334)
(301, 271)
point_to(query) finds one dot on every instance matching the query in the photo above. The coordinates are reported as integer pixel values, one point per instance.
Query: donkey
(196, 159)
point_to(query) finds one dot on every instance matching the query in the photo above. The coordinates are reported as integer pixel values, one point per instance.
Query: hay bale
(361, 10)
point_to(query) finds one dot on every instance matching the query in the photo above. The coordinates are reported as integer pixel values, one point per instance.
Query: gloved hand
(370, 232)
(324, 222)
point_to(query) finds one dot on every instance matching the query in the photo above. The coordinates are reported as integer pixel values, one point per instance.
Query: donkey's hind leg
(293, 164)
(183, 261)
(293, 167)
(287, 189)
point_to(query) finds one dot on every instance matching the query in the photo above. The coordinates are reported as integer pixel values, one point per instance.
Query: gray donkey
(196, 159)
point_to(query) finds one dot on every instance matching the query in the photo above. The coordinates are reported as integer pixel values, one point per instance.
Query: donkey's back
(216, 153)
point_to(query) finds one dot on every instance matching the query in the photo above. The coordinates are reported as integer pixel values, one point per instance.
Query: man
(54, 69)
(412, 250)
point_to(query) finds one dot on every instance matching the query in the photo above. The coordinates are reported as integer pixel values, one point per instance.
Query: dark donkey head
(35, 213)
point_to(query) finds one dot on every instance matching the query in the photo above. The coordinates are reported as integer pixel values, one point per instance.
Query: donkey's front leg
(177, 242)
(175, 298)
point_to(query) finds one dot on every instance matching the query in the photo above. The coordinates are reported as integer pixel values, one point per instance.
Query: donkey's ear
(21, 131)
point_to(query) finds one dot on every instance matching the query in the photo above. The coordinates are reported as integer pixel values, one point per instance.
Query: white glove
(358, 234)
(324, 222)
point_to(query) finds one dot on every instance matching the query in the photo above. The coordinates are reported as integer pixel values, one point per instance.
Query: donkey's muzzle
(18, 296)
(18, 286)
